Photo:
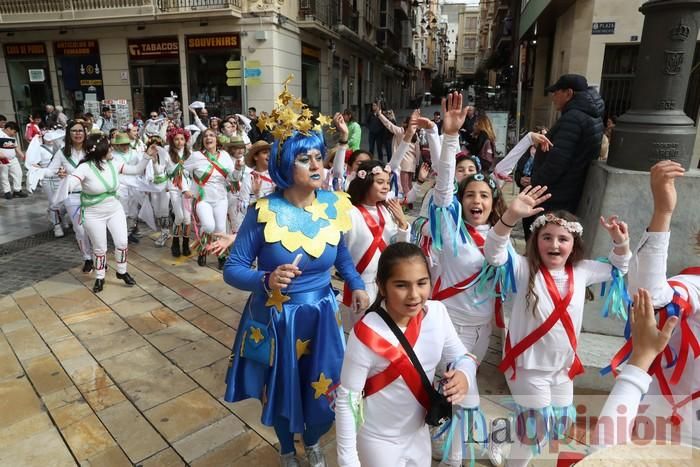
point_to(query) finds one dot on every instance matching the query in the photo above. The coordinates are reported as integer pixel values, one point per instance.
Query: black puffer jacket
(576, 137)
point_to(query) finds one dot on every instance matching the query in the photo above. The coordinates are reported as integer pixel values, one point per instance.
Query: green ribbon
(88, 200)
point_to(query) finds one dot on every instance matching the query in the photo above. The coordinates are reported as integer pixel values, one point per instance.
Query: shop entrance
(154, 68)
(28, 72)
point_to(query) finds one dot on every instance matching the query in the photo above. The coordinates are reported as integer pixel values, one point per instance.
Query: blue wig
(281, 165)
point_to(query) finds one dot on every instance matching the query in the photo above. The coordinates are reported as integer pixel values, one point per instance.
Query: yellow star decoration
(292, 241)
(298, 104)
(263, 123)
(280, 132)
(304, 125)
(307, 113)
(317, 127)
(317, 210)
(321, 386)
(339, 318)
(277, 299)
(256, 335)
(324, 119)
(303, 348)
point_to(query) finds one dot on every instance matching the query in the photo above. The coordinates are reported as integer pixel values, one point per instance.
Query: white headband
(572, 226)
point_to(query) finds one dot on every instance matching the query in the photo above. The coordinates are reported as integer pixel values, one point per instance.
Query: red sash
(560, 313)
(399, 363)
(459, 287)
(567, 459)
(263, 177)
(378, 243)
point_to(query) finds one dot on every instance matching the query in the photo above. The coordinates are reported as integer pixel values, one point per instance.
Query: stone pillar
(656, 127)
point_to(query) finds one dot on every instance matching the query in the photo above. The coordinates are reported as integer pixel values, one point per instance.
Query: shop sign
(311, 51)
(21, 50)
(76, 48)
(603, 28)
(214, 41)
(157, 47)
(36, 75)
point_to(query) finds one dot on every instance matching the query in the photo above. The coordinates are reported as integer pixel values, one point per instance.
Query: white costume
(128, 196)
(239, 176)
(39, 156)
(247, 195)
(540, 376)
(178, 182)
(455, 272)
(648, 271)
(212, 177)
(368, 223)
(102, 211)
(10, 168)
(72, 202)
(394, 432)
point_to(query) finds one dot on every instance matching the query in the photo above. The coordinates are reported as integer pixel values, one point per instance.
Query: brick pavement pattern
(135, 376)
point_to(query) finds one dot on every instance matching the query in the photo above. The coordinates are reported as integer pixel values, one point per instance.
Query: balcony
(19, 13)
(319, 15)
(349, 17)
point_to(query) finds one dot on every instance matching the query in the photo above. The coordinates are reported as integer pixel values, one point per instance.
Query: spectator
(576, 139)
(3, 121)
(254, 134)
(32, 128)
(88, 120)
(104, 122)
(61, 118)
(354, 130)
(376, 130)
(465, 134)
(10, 168)
(484, 142)
(437, 119)
(50, 116)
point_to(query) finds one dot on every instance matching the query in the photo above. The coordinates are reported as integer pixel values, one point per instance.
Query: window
(471, 23)
(469, 43)
(468, 63)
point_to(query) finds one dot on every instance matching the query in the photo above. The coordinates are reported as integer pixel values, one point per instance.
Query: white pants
(49, 185)
(410, 451)
(182, 213)
(129, 199)
(475, 338)
(72, 205)
(212, 215)
(161, 202)
(107, 215)
(537, 389)
(13, 172)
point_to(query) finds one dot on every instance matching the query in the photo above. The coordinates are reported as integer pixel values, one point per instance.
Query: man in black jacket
(576, 139)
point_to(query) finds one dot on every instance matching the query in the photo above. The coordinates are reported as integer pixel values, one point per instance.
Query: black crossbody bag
(440, 408)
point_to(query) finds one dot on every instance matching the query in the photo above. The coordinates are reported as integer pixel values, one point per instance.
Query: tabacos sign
(156, 47)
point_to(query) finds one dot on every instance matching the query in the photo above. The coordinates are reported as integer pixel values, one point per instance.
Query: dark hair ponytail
(392, 256)
(359, 186)
(96, 149)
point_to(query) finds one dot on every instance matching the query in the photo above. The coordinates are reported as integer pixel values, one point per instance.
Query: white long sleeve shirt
(215, 189)
(394, 412)
(359, 238)
(648, 270)
(167, 166)
(553, 351)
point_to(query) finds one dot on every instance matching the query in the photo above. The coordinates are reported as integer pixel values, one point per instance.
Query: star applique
(304, 125)
(256, 335)
(324, 119)
(277, 299)
(339, 318)
(303, 348)
(317, 210)
(321, 386)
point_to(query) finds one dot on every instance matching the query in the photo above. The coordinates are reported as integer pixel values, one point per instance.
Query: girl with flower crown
(540, 359)
(97, 176)
(376, 223)
(178, 192)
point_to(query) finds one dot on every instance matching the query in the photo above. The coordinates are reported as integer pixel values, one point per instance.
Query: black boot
(186, 246)
(202, 260)
(128, 280)
(99, 285)
(88, 266)
(175, 247)
(222, 261)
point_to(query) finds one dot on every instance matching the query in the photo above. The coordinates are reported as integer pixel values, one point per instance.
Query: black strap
(407, 347)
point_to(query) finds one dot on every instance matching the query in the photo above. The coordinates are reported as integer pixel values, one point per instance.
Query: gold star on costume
(263, 123)
(276, 299)
(317, 210)
(317, 128)
(293, 240)
(304, 125)
(298, 104)
(256, 335)
(280, 132)
(339, 318)
(324, 119)
(321, 386)
(307, 113)
(303, 348)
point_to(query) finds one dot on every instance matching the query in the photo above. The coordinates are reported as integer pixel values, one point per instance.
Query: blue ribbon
(394, 184)
(451, 213)
(617, 299)
(468, 421)
(417, 229)
(491, 277)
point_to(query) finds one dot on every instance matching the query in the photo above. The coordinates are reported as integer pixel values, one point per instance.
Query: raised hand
(340, 126)
(394, 207)
(647, 340)
(453, 114)
(527, 202)
(663, 188)
(423, 172)
(424, 122)
(540, 140)
(616, 229)
(256, 183)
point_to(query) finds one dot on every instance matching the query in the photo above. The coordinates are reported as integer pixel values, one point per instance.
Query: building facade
(596, 38)
(230, 54)
(467, 59)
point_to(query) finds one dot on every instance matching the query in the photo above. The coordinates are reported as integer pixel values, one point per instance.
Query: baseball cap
(576, 83)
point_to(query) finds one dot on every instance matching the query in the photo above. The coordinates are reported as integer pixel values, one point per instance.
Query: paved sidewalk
(135, 376)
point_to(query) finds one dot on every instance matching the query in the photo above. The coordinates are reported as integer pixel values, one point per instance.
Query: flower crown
(479, 177)
(290, 115)
(178, 131)
(572, 226)
(101, 138)
(362, 174)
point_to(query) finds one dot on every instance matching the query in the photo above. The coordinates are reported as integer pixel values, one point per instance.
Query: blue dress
(302, 329)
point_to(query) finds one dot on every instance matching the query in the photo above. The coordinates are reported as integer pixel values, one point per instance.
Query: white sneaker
(315, 456)
(57, 231)
(163, 238)
(289, 460)
(495, 451)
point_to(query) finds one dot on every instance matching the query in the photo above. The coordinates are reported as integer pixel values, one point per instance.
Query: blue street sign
(252, 72)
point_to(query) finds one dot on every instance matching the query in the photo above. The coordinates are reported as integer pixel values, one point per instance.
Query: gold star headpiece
(290, 114)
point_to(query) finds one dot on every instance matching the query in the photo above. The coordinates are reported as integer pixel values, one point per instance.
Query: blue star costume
(304, 327)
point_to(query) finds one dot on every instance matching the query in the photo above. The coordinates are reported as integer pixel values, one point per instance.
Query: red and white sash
(377, 246)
